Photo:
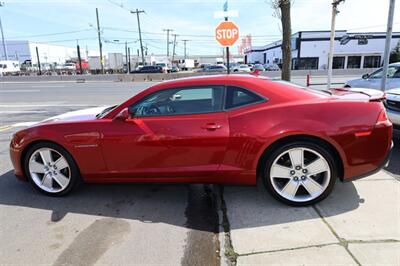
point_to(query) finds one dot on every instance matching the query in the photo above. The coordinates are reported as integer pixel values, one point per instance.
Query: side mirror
(365, 76)
(123, 115)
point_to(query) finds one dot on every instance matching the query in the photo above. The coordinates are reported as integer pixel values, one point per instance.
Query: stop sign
(227, 33)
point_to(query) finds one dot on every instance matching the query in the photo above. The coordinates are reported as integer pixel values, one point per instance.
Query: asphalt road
(144, 224)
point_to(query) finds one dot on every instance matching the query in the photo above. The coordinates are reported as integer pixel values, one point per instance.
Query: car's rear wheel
(300, 173)
(51, 169)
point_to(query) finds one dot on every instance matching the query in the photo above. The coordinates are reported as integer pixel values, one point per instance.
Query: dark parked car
(149, 69)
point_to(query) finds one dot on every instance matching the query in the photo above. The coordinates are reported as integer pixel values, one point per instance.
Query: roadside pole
(126, 57)
(38, 61)
(173, 50)
(168, 31)
(227, 54)
(226, 33)
(137, 12)
(184, 49)
(129, 60)
(3, 41)
(79, 59)
(387, 44)
(2, 37)
(100, 44)
(332, 41)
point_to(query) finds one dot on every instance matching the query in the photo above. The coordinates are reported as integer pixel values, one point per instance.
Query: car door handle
(211, 127)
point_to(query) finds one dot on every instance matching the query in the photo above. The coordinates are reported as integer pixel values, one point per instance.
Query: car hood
(393, 91)
(354, 82)
(78, 115)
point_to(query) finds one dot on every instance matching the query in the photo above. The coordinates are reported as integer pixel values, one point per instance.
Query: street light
(387, 44)
(2, 36)
(335, 11)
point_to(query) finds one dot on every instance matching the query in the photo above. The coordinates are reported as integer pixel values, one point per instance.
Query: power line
(48, 34)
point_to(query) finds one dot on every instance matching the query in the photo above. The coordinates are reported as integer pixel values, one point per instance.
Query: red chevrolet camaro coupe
(234, 129)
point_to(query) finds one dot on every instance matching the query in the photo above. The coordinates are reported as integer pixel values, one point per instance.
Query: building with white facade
(22, 50)
(310, 50)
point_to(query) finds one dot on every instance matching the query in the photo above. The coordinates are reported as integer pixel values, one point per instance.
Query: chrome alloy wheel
(49, 170)
(300, 174)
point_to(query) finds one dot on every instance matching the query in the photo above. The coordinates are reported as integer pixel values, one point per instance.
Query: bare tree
(282, 11)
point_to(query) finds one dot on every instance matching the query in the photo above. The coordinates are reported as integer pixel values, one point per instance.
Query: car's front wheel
(300, 173)
(51, 169)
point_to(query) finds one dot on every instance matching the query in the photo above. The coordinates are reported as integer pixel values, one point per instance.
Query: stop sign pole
(226, 34)
(227, 55)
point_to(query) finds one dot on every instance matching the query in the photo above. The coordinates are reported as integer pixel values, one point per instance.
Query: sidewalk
(358, 224)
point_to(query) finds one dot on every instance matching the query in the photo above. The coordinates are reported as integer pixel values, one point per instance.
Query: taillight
(383, 118)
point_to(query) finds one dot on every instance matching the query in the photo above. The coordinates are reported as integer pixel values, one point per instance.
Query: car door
(176, 132)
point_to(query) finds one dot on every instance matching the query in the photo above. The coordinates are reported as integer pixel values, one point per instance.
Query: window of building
(338, 62)
(354, 62)
(236, 97)
(373, 61)
(305, 63)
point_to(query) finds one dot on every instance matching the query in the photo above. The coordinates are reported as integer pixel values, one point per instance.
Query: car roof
(212, 79)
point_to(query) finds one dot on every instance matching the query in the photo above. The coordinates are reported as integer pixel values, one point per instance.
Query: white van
(9, 68)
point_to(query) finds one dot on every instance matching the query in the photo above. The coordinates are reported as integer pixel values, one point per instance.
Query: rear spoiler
(373, 95)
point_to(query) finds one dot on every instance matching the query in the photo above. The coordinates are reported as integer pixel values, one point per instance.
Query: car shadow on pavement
(394, 164)
(160, 203)
(254, 207)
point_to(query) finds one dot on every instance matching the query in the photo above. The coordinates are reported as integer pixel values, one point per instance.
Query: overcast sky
(63, 22)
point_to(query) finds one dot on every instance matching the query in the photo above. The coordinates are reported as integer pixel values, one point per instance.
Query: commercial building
(310, 50)
(22, 50)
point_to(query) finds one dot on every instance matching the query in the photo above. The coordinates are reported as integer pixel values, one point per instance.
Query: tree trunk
(284, 5)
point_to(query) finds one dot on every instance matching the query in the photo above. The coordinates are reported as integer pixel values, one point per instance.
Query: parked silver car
(373, 80)
(392, 104)
(392, 101)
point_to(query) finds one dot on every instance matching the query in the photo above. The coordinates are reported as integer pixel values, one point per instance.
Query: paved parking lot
(359, 224)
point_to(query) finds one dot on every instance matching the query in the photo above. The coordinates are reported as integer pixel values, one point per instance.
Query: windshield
(105, 111)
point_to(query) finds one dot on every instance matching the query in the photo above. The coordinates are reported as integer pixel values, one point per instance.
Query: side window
(179, 101)
(236, 97)
(393, 72)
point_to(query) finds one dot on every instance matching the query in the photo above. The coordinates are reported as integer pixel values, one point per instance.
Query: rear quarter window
(236, 97)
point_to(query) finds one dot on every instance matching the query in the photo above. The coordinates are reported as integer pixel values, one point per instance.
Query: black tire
(318, 147)
(75, 178)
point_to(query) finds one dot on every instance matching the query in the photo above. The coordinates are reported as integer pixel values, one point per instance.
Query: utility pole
(387, 44)
(100, 44)
(332, 41)
(137, 12)
(168, 31)
(2, 37)
(126, 57)
(184, 49)
(38, 61)
(129, 60)
(173, 50)
(79, 59)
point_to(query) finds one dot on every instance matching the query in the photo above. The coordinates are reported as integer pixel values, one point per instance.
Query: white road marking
(43, 105)
(22, 112)
(47, 86)
(24, 124)
(12, 91)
